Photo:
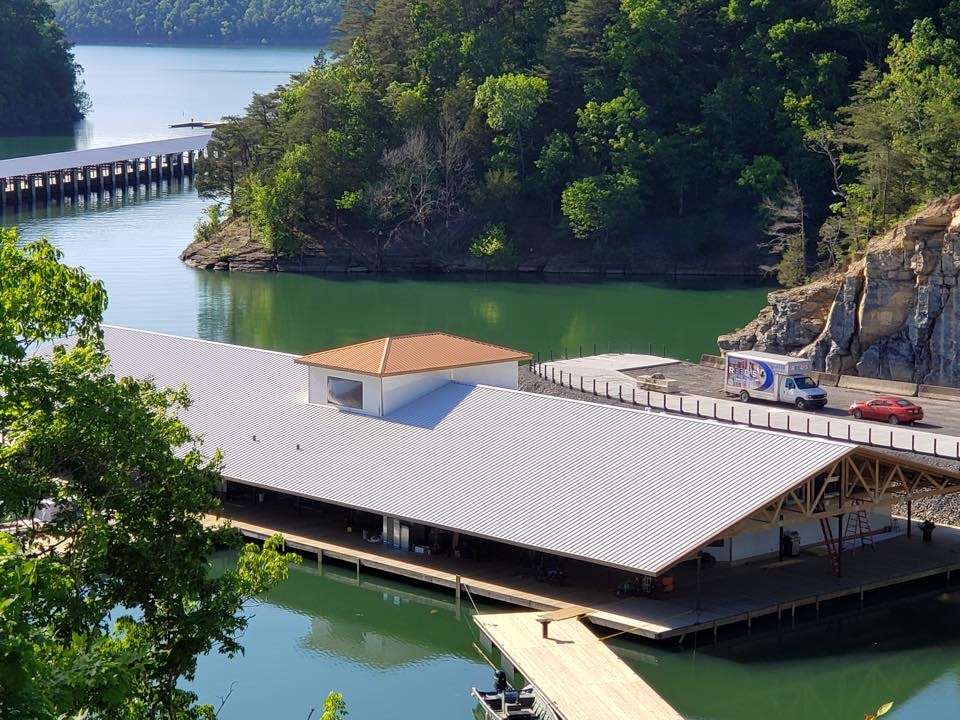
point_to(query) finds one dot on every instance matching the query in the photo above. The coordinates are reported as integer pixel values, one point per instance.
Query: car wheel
(801, 404)
(744, 396)
(893, 420)
(858, 414)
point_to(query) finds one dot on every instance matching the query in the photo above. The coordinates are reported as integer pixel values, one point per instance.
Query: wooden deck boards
(729, 594)
(580, 676)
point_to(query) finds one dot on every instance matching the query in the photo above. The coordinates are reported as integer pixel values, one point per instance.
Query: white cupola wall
(380, 376)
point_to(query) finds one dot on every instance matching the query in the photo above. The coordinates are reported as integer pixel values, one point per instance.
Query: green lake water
(399, 652)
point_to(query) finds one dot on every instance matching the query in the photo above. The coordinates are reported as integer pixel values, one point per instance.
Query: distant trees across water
(287, 22)
(40, 86)
(687, 124)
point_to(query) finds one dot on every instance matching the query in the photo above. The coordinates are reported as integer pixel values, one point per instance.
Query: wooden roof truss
(858, 481)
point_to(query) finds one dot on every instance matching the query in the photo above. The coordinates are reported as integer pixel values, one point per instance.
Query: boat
(506, 703)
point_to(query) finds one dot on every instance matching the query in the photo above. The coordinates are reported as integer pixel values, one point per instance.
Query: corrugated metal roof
(620, 486)
(405, 354)
(51, 162)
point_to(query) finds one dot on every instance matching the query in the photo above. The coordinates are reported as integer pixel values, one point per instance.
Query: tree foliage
(41, 84)
(218, 21)
(614, 111)
(106, 594)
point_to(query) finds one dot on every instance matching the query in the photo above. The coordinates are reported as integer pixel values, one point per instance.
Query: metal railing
(708, 409)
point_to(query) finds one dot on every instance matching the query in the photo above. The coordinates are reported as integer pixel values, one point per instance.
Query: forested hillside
(40, 85)
(231, 21)
(482, 124)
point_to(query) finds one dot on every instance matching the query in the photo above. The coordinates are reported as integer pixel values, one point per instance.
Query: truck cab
(802, 391)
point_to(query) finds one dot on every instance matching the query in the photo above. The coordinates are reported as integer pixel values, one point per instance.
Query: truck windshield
(805, 383)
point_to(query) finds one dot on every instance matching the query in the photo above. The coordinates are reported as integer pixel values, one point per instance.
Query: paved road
(702, 395)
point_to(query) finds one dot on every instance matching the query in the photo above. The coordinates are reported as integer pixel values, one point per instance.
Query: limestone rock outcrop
(893, 314)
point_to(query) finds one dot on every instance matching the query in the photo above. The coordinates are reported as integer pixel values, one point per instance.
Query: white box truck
(781, 378)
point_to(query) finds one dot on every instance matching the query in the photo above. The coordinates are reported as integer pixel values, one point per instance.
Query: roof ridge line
(383, 357)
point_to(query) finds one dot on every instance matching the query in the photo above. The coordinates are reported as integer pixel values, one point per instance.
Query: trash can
(926, 529)
(794, 546)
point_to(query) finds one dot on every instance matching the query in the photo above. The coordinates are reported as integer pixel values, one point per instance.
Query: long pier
(57, 177)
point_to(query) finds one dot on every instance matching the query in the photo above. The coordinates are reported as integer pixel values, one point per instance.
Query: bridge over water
(57, 177)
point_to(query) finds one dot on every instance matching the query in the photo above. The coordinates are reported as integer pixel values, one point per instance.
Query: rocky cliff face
(894, 313)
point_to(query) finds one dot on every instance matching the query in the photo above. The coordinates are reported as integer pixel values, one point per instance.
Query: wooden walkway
(578, 676)
(729, 595)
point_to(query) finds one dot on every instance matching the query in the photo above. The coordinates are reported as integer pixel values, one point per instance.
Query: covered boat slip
(728, 596)
(578, 676)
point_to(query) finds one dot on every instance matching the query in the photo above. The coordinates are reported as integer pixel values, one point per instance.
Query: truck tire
(893, 420)
(744, 396)
(801, 404)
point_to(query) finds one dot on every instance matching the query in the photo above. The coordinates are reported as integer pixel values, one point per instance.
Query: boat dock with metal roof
(57, 177)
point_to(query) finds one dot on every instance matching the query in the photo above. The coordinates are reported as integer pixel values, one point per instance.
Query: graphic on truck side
(749, 374)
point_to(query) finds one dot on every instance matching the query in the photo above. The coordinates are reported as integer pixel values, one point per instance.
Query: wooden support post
(544, 625)
(33, 191)
(840, 543)
(100, 181)
(180, 167)
(60, 185)
(319, 558)
(136, 175)
(699, 598)
(456, 591)
(74, 183)
(358, 569)
(18, 190)
(46, 186)
(909, 519)
(149, 164)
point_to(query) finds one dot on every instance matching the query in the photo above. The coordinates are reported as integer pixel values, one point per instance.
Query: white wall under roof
(382, 396)
(504, 375)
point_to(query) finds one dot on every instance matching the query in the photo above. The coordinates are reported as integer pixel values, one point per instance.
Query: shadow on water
(843, 667)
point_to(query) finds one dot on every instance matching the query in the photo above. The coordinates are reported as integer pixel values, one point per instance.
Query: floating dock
(574, 673)
(730, 597)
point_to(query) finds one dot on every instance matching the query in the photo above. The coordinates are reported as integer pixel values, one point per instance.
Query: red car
(889, 409)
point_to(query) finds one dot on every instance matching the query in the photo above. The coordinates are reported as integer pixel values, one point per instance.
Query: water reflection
(300, 313)
(393, 652)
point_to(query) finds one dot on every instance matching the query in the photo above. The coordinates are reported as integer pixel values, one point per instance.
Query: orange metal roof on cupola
(405, 354)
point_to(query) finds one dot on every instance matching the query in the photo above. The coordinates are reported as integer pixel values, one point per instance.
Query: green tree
(106, 603)
(511, 102)
(599, 208)
(42, 86)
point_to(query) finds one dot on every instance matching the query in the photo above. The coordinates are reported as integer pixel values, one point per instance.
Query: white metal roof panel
(50, 162)
(614, 485)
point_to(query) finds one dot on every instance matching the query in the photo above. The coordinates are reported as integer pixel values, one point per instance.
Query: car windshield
(904, 403)
(805, 383)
